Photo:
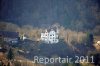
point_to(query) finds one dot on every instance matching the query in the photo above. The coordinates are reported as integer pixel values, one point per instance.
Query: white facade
(23, 37)
(50, 37)
(98, 42)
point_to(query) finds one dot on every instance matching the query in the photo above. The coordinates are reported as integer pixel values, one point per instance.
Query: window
(46, 35)
(50, 35)
(53, 37)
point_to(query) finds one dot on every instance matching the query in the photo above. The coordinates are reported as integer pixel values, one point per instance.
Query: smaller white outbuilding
(98, 42)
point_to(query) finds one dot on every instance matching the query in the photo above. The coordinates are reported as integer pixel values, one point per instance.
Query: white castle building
(50, 37)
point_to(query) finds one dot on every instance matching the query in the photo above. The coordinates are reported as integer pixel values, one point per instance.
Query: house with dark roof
(3, 50)
(8, 36)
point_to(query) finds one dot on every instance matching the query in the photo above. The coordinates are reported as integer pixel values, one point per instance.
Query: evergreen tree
(10, 55)
(89, 40)
(1, 40)
(8, 64)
